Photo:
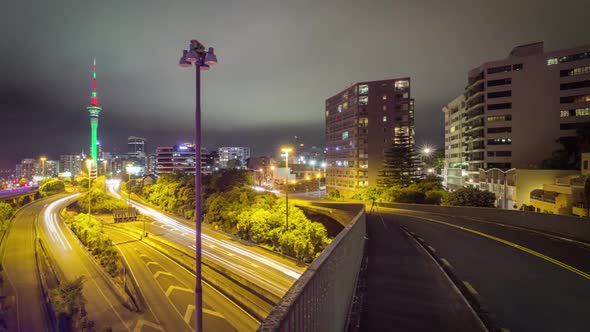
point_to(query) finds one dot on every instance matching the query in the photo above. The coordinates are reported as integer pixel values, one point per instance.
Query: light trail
(212, 242)
(51, 220)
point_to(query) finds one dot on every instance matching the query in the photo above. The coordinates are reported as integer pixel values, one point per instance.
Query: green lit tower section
(94, 109)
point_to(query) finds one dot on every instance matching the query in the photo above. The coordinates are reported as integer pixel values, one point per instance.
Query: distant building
(51, 168)
(26, 168)
(136, 152)
(210, 161)
(228, 153)
(361, 122)
(516, 110)
(178, 159)
(72, 163)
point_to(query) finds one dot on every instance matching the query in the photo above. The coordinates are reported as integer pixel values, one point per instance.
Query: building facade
(455, 167)
(361, 122)
(179, 159)
(27, 168)
(72, 163)
(228, 153)
(518, 109)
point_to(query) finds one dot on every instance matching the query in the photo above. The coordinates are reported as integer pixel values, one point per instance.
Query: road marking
(188, 313)
(173, 288)
(151, 263)
(142, 322)
(159, 273)
(514, 245)
(230, 254)
(431, 248)
(446, 262)
(143, 255)
(470, 288)
(254, 265)
(213, 313)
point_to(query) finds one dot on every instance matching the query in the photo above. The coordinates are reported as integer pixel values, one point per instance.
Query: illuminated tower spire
(94, 109)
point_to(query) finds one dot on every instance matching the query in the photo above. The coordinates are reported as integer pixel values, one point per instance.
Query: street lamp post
(324, 165)
(202, 59)
(286, 151)
(104, 162)
(43, 159)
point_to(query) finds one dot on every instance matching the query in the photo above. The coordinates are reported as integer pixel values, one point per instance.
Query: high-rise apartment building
(455, 168)
(518, 109)
(136, 153)
(361, 122)
(228, 153)
(26, 168)
(72, 163)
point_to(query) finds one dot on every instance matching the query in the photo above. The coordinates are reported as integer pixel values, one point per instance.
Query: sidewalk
(406, 290)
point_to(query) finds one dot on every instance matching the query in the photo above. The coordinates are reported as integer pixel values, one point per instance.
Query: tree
(68, 303)
(234, 164)
(569, 156)
(399, 164)
(6, 213)
(52, 187)
(470, 196)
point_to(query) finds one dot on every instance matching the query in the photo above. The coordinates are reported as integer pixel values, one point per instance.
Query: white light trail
(50, 217)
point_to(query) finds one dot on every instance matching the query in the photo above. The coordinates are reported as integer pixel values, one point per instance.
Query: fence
(320, 299)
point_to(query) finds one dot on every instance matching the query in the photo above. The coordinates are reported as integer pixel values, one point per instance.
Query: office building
(228, 153)
(361, 122)
(179, 159)
(26, 168)
(136, 152)
(518, 109)
(71, 163)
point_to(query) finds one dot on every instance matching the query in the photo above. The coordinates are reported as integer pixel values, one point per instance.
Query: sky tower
(94, 109)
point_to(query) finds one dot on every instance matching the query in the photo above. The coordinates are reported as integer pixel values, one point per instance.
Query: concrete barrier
(321, 298)
(567, 226)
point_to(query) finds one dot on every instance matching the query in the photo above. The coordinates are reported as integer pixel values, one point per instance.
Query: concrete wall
(320, 300)
(572, 227)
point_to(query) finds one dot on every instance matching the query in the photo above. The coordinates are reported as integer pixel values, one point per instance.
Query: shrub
(435, 196)
(470, 196)
(52, 187)
(410, 195)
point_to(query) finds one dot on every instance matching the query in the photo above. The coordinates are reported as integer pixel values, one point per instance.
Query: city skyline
(275, 92)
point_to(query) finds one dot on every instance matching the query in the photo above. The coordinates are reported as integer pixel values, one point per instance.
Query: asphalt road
(102, 305)
(168, 289)
(20, 271)
(528, 280)
(259, 266)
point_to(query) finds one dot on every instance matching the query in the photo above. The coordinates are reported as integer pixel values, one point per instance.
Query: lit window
(327, 113)
(582, 111)
(401, 84)
(345, 135)
(363, 100)
(384, 107)
(385, 118)
(452, 130)
(339, 108)
(363, 89)
(384, 97)
(552, 61)
(406, 95)
(363, 122)
(345, 105)
(564, 114)
(345, 163)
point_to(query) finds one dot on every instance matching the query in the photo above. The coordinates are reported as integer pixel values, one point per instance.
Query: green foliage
(6, 213)
(334, 195)
(52, 187)
(410, 195)
(260, 217)
(470, 196)
(234, 164)
(369, 194)
(435, 196)
(68, 305)
(101, 201)
(90, 232)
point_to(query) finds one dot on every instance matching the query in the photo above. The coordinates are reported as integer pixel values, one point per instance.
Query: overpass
(444, 269)
(13, 195)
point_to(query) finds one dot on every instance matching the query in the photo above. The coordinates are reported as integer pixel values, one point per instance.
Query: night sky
(278, 62)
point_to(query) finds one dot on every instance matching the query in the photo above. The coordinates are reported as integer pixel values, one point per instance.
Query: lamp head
(196, 45)
(183, 62)
(192, 56)
(210, 57)
(286, 150)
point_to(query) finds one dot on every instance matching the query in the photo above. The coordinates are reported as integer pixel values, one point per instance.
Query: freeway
(164, 281)
(528, 280)
(20, 271)
(102, 305)
(260, 267)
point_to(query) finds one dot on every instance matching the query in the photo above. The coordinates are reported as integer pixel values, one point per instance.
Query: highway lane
(165, 282)
(102, 305)
(521, 276)
(263, 269)
(20, 271)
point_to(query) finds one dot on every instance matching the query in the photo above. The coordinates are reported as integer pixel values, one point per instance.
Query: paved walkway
(406, 289)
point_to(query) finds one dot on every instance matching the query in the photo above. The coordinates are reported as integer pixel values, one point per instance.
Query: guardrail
(568, 226)
(321, 298)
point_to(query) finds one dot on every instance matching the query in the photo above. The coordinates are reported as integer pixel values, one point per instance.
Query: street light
(43, 159)
(286, 151)
(128, 169)
(202, 60)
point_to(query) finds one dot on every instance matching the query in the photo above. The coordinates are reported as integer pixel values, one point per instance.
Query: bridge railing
(320, 299)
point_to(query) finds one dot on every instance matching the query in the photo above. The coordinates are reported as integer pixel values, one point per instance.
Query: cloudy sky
(278, 62)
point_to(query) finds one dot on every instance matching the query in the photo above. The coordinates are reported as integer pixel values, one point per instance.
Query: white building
(227, 153)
